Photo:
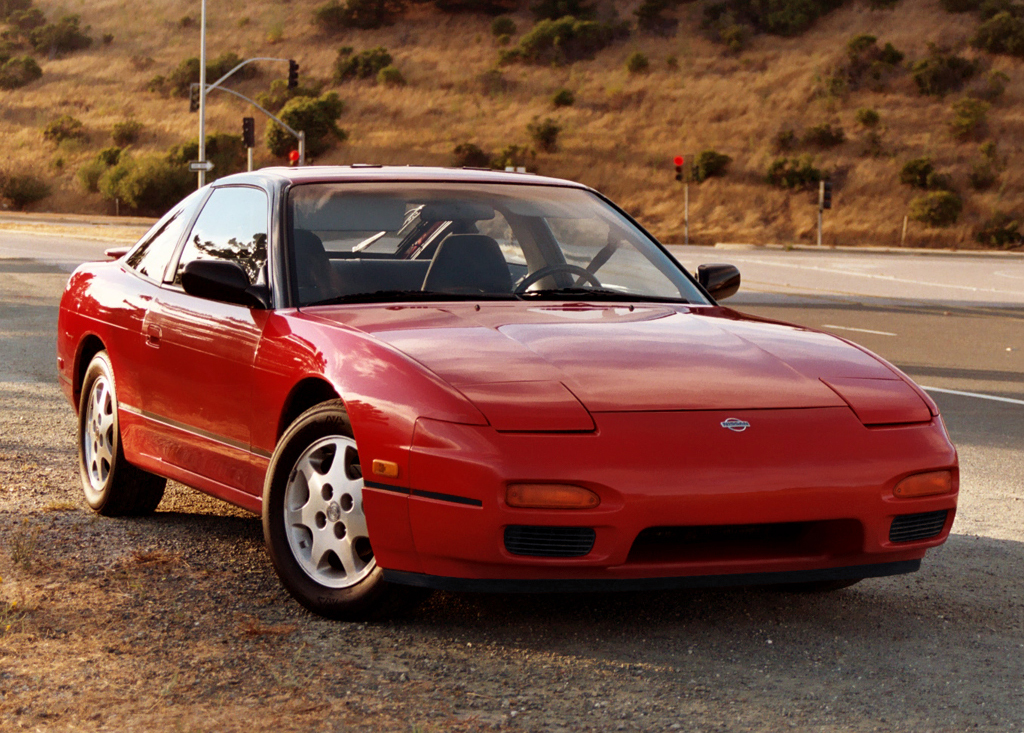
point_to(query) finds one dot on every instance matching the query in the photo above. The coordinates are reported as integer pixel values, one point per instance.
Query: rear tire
(113, 487)
(314, 526)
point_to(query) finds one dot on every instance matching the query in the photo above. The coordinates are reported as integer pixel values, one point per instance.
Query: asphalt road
(941, 650)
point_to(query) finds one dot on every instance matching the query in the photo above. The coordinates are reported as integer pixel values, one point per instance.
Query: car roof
(285, 176)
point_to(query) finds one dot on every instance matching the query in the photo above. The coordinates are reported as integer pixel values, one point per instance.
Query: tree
(316, 117)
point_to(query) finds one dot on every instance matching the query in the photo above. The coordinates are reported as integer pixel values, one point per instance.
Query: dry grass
(619, 136)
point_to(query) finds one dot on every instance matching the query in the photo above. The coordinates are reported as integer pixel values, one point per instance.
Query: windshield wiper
(594, 294)
(398, 296)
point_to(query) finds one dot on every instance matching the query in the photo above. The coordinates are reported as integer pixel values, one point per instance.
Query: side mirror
(224, 281)
(721, 281)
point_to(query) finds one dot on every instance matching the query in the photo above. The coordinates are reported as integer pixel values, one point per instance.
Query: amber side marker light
(385, 468)
(550, 496)
(924, 484)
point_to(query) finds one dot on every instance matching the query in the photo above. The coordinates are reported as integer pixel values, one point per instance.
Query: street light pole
(202, 94)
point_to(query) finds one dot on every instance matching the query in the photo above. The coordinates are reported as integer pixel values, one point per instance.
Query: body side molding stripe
(231, 442)
(453, 498)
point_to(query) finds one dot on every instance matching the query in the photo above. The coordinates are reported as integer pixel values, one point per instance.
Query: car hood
(621, 358)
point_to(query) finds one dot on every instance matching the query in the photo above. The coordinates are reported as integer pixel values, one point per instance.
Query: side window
(232, 226)
(150, 258)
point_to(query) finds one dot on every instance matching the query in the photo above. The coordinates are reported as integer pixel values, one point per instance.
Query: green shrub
(709, 164)
(565, 40)
(544, 134)
(390, 76)
(941, 73)
(179, 82)
(514, 156)
(503, 26)
(649, 18)
(27, 20)
(778, 17)
(490, 7)
(18, 72)
(22, 189)
(555, 9)
(991, 8)
(334, 17)
(638, 63)
(363, 65)
(937, 209)
(867, 117)
(468, 155)
(869, 64)
(793, 173)
(785, 140)
(1003, 33)
(126, 133)
(960, 6)
(109, 156)
(63, 128)
(90, 173)
(148, 185)
(968, 118)
(107, 39)
(563, 98)
(7, 7)
(64, 36)
(824, 136)
(982, 176)
(992, 88)
(317, 117)
(915, 172)
(279, 94)
(1000, 230)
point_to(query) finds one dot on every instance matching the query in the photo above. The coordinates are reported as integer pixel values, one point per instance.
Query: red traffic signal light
(293, 157)
(680, 161)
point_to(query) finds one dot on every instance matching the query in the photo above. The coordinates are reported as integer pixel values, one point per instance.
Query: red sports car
(470, 380)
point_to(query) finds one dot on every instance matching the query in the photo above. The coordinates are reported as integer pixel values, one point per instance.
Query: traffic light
(293, 73)
(680, 161)
(826, 195)
(249, 132)
(193, 98)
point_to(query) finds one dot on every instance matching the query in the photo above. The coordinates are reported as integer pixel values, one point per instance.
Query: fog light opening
(550, 496)
(932, 483)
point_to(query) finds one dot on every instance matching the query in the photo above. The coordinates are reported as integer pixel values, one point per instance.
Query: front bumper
(816, 481)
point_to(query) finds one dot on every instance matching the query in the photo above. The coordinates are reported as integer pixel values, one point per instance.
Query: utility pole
(202, 96)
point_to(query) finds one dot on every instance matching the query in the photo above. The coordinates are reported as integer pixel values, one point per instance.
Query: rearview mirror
(224, 281)
(721, 281)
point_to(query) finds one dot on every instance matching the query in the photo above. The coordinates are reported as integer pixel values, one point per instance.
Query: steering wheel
(543, 272)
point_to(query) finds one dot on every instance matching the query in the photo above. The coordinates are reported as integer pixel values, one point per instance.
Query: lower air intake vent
(549, 541)
(911, 527)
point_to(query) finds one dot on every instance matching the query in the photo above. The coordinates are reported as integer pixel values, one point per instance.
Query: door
(197, 384)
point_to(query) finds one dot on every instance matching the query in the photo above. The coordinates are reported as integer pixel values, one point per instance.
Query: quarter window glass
(232, 226)
(150, 258)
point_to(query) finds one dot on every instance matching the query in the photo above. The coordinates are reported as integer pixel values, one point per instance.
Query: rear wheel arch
(88, 347)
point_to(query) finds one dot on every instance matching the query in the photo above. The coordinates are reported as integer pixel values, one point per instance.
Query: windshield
(432, 241)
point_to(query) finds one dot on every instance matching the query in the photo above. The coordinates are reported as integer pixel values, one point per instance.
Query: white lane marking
(887, 278)
(975, 394)
(1009, 275)
(858, 330)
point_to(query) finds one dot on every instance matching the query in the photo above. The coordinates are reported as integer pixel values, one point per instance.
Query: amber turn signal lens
(388, 469)
(924, 484)
(550, 496)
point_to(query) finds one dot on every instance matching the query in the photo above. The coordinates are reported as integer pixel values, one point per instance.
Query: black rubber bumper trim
(452, 498)
(588, 585)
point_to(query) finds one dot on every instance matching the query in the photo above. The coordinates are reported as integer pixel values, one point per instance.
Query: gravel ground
(177, 622)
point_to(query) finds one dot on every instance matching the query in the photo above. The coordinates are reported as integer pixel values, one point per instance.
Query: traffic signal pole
(821, 207)
(202, 96)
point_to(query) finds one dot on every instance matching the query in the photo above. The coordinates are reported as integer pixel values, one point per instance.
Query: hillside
(619, 136)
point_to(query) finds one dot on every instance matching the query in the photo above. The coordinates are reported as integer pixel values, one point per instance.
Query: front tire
(313, 520)
(113, 487)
